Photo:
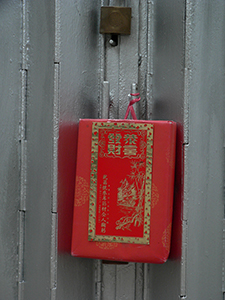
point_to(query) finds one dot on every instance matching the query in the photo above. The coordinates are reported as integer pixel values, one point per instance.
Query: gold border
(93, 183)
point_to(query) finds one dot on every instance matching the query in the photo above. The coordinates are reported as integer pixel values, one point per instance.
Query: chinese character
(103, 230)
(111, 148)
(118, 149)
(118, 138)
(130, 138)
(111, 137)
(130, 150)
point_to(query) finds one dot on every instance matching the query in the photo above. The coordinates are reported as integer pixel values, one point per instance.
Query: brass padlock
(115, 20)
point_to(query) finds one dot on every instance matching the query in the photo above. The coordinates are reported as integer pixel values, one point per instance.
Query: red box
(124, 190)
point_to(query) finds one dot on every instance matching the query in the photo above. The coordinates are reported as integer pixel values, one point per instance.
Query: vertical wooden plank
(204, 194)
(128, 60)
(40, 87)
(112, 58)
(166, 102)
(79, 95)
(108, 282)
(146, 283)
(11, 86)
(98, 279)
(142, 57)
(149, 61)
(139, 281)
(125, 282)
(112, 71)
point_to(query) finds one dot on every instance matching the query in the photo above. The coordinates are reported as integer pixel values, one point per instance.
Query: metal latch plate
(115, 20)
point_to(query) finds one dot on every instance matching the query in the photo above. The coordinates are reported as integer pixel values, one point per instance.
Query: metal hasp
(115, 20)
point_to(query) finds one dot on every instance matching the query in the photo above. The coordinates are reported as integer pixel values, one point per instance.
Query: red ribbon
(130, 107)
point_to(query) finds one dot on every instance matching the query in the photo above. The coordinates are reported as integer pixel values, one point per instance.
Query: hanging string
(130, 106)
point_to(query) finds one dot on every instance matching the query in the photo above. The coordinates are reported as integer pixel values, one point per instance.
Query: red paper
(124, 190)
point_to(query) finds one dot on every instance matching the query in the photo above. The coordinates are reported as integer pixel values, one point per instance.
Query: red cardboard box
(124, 190)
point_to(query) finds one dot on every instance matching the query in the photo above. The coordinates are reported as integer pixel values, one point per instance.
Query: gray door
(57, 68)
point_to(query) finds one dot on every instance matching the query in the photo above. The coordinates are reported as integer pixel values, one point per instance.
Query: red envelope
(124, 190)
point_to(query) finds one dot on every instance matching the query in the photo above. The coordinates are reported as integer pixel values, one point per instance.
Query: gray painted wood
(128, 61)
(53, 66)
(139, 281)
(205, 152)
(78, 98)
(198, 276)
(109, 281)
(168, 103)
(10, 87)
(38, 218)
(125, 282)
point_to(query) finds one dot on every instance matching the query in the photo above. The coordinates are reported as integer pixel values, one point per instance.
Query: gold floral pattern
(170, 159)
(155, 196)
(82, 191)
(106, 246)
(166, 237)
(131, 196)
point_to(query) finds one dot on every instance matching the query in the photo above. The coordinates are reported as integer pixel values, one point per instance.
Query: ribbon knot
(130, 106)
